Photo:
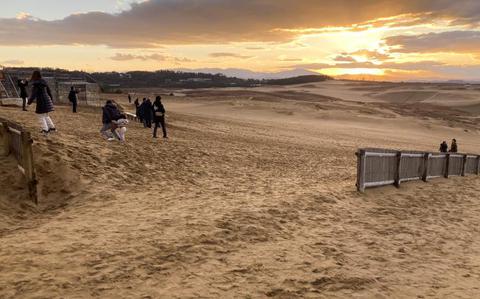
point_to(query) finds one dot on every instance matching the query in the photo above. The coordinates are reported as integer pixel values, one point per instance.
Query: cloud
(13, 62)
(159, 22)
(450, 41)
(290, 59)
(344, 58)
(410, 66)
(371, 55)
(153, 57)
(127, 57)
(367, 54)
(229, 55)
(24, 16)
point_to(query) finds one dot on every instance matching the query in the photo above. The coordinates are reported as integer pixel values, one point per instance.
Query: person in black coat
(159, 117)
(444, 147)
(43, 96)
(147, 113)
(72, 97)
(454, 146)
(22, 84)
(141, 111)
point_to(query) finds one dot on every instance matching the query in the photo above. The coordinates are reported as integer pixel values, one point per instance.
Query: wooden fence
(15, 140)
(380, 167)
(131, 116)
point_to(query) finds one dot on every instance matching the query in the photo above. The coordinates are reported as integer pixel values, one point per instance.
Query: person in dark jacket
(22, 84)
(147, 113)
(43, 96)
(444, 147)
(159, 117)
(137, 109)
(110, 113)
(141, 111)
(454, 146)
(72, 97)
(129, 99)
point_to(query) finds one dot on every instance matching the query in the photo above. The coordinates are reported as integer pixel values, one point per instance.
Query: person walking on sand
(454, 146)
(129, 99)
(43, 96)
(159, 117)
(22, 84)
(444, 147)
(72, 97)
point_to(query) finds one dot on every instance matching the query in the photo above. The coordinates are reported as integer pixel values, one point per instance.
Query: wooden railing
(131, 116)
(17, 141)
(380, 167)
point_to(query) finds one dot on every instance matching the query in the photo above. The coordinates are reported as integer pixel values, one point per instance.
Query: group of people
(148, 112)
(453, 147)
(113, 115)
(42, 94)
(23, 84)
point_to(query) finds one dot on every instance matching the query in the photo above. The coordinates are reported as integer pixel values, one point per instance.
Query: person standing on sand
(137, 107)
(129, 99)
(22, 84)
(147, 113)
(43, 96)
(454, 146)
(159, 117)
(141, 111)
(444, 147)
(72, 97)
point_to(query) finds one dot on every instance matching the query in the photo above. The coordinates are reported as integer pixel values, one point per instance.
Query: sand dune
(252, 197)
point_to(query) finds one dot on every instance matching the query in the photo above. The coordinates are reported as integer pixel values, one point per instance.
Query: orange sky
(389, 40)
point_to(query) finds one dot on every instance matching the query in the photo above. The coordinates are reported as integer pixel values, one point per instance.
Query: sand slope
(248, 199)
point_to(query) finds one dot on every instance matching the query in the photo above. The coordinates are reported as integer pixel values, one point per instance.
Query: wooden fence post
(426, 166)
(478, 165)
(398, 179)
(361, 159)
(464, 165)
(447, 168)
(5, 139)
(28, 166)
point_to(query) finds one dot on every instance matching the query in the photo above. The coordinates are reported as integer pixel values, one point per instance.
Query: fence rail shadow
(381, 167)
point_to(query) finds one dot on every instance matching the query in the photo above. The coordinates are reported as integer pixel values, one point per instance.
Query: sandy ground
(253, 196)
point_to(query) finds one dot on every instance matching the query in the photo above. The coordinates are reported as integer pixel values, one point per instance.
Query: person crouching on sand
(110, 113)
(120, 127)
(43, 96)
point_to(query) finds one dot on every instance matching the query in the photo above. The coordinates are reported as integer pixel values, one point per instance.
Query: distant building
(59, 82)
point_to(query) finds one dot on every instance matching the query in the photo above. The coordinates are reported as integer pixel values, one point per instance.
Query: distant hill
(247, 74)
(113, 81)
(298, 80)
(177, 79)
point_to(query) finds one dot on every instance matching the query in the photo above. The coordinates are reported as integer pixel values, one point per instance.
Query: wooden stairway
(8, 89)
